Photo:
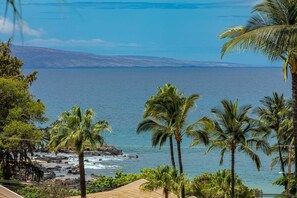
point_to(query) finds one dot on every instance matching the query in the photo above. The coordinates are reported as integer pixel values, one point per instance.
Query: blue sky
(182, 29)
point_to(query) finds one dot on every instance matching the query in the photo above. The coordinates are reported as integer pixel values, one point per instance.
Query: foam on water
(90, 162)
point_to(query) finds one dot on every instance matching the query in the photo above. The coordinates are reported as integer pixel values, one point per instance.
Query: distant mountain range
(39, 57)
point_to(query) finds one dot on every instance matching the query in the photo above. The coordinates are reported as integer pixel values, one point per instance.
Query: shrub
(218, 185)
(108, 183)
(50, 191)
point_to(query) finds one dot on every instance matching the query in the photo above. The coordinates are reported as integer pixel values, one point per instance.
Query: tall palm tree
(75, 130)
(162, 177)
(271, 30)
(181, 128)
(286, 126)
(272, 113)
(159, 116)
(165, 115)
(232, 129)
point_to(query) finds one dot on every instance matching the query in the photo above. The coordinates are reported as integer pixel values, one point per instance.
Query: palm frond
(233, 32)
(149, 125)
(246, 149)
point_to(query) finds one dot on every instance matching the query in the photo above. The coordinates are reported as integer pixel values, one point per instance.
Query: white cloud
(7, 27)
(53, 42)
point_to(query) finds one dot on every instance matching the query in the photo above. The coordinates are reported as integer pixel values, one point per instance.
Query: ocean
(119, 95)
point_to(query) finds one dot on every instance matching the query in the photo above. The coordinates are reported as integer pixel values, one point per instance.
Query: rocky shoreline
(59, 169)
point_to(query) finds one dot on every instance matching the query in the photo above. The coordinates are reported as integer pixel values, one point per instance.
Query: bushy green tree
(50, 191)
(19, 114)
(165, 178)
(102, 183)
(218, 185)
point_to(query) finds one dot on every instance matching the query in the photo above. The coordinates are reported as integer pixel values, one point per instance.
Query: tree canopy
(19, 113)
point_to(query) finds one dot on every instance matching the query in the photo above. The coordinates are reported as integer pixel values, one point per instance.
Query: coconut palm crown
(232, 130)
(159, 117)
(166, 115)
(163, 177)
(275, 113)
(75, 130)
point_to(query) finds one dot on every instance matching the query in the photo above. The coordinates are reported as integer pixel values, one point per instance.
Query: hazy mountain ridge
(39, 57)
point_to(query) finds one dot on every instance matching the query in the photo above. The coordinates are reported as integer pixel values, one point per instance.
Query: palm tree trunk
(82, 175)
(232, 172)
(276, 129)
(294, 107)
(289, 173)
(281, 159)
(282, 162)
(172, 152)
(166, 192)
(181, 170)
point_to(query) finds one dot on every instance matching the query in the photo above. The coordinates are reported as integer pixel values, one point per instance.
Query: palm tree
(287, 144)
(273, 113)
(165, 115)
(162, 177)
(218, 185)
(159, 117)
(232, 129)
(75, 131)
(181, 128)
(271, 30)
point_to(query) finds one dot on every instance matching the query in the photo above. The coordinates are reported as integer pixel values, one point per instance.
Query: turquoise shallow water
(118, 95)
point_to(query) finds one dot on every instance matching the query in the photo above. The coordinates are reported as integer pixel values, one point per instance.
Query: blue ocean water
(118, 95)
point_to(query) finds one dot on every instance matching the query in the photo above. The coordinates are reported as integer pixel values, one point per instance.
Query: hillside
(38, 57)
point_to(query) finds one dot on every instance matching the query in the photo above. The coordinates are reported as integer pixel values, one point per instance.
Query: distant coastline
(41, 58)
(148, 67)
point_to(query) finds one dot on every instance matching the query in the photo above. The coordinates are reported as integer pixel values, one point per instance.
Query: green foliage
(107, 183)
(232, 129)
(271, 30)
(50, 191)
(11, 66)
(165, 178)
(218, 185)
(283, 181)
(19, 114)
(276, 114)
(76, 131)
(166, 117)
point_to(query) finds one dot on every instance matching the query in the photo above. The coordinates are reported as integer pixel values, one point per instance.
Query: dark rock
(132, 157)
(49, 175)
(73, 172)
(110, 150)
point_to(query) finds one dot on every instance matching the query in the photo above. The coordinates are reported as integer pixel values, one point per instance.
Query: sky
(181, 29)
